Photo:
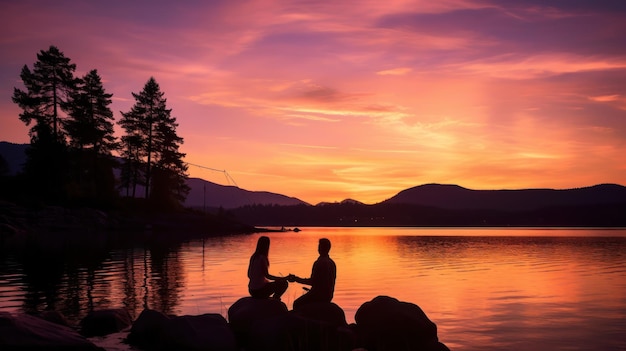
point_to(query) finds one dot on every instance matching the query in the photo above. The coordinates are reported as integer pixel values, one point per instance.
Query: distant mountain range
(14, 154)
(450, 205)
(458, 198)
(429, 204)
(206, 194)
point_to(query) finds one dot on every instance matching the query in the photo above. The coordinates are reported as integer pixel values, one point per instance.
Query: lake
(485, 288)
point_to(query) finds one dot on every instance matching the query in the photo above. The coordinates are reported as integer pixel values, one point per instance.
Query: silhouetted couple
(264, 285)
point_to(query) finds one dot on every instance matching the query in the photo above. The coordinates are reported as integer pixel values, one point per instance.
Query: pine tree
(151, 148)
(48, 89)
(90, 130)
(169, 183)
(131, 174)
(90, 122)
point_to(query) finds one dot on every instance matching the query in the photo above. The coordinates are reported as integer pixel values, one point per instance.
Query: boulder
(54, 317)
(386, 323)
(291, 331)
(103, 322)
(267, 324)
(247, 310)
(154, 330)
(26, 332)
(208, 332)
(327, 312)
(147, 329)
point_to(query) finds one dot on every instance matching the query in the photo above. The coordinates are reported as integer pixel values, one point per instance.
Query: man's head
(324, 246)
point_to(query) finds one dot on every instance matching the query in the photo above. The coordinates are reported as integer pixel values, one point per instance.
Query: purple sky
(355, 99)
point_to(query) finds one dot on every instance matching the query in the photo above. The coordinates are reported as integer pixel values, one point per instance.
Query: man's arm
(306, 281)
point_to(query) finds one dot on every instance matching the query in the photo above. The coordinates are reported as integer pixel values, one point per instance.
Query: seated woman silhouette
(262, 284)
(322, 280)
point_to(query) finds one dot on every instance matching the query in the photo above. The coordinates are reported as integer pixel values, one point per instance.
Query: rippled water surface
(502, 289)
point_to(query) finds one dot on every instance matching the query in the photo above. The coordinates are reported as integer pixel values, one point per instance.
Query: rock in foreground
(266, 324)
(104, 322)
(386, 323)
(25, 332)
(382, 324)
(155, 331)
(245, 312)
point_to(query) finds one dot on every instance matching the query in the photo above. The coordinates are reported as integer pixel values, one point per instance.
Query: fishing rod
(229, 178)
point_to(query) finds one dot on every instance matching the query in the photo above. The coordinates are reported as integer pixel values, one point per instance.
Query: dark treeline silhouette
(70, 159)
(4, 167)
(400, 214)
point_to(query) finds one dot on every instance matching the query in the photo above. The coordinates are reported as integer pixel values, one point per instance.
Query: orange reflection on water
(526, 290)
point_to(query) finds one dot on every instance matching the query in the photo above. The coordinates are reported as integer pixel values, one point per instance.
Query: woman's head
(263, 245)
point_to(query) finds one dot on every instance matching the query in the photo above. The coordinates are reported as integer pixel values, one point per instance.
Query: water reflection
(162, 292)
(498, 288)
(522, 291)
(75, 283)
(41, 280)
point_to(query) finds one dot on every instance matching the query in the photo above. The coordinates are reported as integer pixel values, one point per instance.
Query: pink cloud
(326, 100)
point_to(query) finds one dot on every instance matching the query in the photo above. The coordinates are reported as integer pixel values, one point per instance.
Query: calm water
(502, 289)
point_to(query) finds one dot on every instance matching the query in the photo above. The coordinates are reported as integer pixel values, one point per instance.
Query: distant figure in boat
(262, 284)
(322, 280)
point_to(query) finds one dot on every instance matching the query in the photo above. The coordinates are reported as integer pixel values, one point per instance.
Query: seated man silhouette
(322, 280)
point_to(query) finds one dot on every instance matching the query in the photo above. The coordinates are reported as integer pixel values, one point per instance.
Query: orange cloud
(395, 71)
(328, 100)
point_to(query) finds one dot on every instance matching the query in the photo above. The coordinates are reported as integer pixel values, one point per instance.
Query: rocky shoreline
(55, 227)
(384, 323)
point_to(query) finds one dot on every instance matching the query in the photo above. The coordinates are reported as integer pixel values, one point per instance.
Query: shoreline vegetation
(49, 228)
(55, 230)
(52, 227)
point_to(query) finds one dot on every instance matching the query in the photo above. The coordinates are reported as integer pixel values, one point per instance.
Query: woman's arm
(273, 277)
(266, 273)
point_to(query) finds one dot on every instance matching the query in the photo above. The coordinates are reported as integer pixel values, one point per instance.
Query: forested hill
(205, 193)
(450, 205)
(459, 198)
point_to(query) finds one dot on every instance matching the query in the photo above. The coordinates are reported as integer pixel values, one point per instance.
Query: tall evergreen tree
(132, 169)
(90, 131)
(169, 182)
(151, 141)
(90, 122)
(48, 89)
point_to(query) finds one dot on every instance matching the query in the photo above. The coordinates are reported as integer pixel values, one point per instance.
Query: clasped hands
(291, 278)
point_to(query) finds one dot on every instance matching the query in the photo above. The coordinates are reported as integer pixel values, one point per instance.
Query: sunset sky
(327, 100)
